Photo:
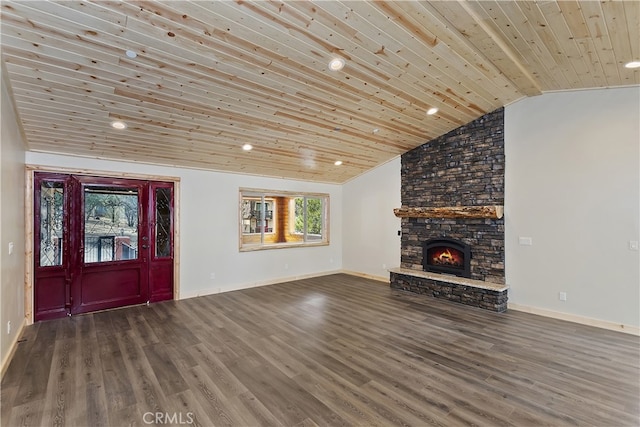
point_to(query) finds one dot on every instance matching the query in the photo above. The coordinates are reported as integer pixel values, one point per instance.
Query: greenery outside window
(277, 219)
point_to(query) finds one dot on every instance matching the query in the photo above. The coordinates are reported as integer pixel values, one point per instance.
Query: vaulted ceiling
(211, 76)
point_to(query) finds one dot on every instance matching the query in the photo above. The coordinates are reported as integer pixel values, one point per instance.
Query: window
(270, 219)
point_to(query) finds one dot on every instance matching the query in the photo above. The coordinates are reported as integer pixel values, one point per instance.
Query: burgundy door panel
(161, 280)
(104, 288)
(100, 243)
(50, 297)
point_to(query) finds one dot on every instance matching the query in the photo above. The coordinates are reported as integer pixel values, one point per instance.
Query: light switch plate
(525, 241)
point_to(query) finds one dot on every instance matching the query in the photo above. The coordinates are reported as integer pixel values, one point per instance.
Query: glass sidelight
(111, 219)
(51, 223)
(163, 230)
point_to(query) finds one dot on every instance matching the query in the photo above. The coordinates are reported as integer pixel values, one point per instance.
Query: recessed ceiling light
(336, 64)
(338, 162)
(131, 54)
(431, 111)
(118, 125)
(247, 147)
(632, 64)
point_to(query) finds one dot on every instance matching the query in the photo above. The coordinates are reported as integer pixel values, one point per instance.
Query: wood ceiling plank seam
(444, 51)
(453, 40)
(343, 142)
(203, 136)
(632, 15)
(354, 98)
(460, 17)
(451, 76)
(560, 28)
(597, 74)
(599, 35)
(20, 72)
(618, 31)
(330, 88)
(143, 154)
(15, 29)
(545, 31)
(14, 55)
(121, 115)
(203, 111)
(572, 15)
(338, 102)
(519, 28)
(462, 67)
(407, 90)
(273, 157)
(487, 25)
(306, 32)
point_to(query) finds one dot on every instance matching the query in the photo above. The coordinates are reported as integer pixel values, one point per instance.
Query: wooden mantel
(491, 212)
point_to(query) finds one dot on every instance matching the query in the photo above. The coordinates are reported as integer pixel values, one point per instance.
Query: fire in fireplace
(447, 256)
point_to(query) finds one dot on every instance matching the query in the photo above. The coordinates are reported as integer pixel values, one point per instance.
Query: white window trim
(259, 193)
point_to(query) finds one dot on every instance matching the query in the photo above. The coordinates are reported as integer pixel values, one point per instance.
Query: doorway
(100, 243)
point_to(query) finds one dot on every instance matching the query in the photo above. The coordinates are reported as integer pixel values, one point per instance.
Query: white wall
(371, 244)
(573, 186)
(11, 225)
(209, 231)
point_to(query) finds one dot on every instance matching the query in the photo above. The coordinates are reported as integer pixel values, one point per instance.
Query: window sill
(252, 248)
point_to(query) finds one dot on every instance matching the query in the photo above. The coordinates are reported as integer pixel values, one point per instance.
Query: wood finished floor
(334, 350)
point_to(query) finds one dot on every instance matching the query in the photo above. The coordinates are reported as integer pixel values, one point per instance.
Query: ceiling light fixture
(338, 162)
(336, 64)
(247, 147)
(431, 111)
(131, 54)
(118, 125)
(632, 64)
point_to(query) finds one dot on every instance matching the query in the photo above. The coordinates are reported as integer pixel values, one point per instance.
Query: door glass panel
(110, 224)
(51, 220)
(163, 222)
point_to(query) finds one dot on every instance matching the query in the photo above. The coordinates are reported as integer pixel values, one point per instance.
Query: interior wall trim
(604, 324)
(12, 349)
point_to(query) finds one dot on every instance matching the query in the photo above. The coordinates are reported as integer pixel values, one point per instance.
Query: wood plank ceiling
(210, 76)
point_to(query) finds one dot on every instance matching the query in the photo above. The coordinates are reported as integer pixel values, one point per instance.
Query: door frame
(29, 223)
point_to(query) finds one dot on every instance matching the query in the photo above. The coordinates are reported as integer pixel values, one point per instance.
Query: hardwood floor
(334, 350)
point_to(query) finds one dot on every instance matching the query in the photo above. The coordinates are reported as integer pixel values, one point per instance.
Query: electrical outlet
(384, 266)
(8, 327)
(212, 276)
(286, 266)
(562, 296)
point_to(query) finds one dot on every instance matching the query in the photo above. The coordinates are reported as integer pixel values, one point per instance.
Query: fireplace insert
(447, 256)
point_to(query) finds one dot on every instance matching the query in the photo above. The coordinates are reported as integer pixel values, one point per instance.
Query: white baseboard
(604, 324)
(366, 276)
(212, 291)
(12, 349)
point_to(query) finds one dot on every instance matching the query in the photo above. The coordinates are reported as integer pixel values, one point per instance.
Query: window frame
(263, 194)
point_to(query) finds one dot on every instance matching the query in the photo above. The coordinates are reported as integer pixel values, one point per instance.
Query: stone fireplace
(453, 192)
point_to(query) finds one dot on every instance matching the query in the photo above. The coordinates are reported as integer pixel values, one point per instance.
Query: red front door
(101, 243)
